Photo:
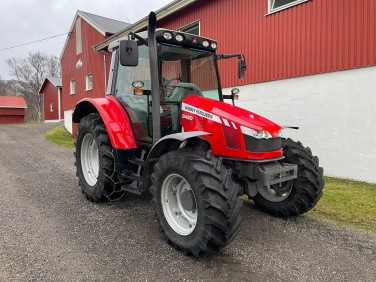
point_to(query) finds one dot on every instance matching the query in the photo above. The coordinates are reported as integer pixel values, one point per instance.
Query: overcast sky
(25, 21)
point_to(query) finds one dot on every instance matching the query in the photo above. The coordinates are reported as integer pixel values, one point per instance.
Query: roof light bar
(185, 39)
(179, 37)
(167, 35)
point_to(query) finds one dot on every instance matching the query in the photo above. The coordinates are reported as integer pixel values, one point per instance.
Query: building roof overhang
(140, 25)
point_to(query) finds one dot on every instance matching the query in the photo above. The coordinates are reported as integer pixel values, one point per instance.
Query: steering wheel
(170, 88)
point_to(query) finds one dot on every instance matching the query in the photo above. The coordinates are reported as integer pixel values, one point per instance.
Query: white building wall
(68, 124)
(336, 113)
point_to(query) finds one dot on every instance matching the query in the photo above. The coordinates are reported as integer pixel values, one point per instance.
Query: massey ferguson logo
(199, 112)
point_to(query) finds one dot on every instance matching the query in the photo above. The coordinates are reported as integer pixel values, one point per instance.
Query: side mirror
(128, 53)
(241, 68)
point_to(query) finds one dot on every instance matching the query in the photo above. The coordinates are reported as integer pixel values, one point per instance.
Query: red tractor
(165, 129)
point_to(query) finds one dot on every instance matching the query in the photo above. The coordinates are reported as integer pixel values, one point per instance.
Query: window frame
(72, 90)
(190, 25)
(87, 82)
(51, 107)
(286, 6)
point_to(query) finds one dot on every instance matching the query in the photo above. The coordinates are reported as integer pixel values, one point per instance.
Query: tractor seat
(184, 89)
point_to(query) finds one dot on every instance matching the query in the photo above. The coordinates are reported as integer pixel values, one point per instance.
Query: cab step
(137, 162)
(134, 187)
(132, 176)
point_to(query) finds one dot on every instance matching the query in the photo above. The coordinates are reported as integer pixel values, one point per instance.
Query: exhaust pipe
(155, 91)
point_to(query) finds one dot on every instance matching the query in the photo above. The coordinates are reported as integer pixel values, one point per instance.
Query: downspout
(105, 73)
(155, 91)
(59, 101)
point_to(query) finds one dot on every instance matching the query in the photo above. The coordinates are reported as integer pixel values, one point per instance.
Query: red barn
(12, 109)
(84, 72)
(311, 63)
(51, 96)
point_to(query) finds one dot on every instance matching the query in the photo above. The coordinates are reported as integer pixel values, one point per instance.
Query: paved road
(49, 232)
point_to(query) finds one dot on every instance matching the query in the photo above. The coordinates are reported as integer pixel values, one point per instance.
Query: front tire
(208, 218)
(95, 161)
(297, 196)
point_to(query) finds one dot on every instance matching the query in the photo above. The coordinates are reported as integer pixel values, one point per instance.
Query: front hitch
(275, 173)
(266, 174)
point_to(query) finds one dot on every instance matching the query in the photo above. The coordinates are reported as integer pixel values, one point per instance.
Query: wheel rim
(181, 220)
(277, 193)
(90, 159)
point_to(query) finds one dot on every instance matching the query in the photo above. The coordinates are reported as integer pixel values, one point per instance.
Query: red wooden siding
(50, 96)
(10, 115)
(92, 63)
(317, 36)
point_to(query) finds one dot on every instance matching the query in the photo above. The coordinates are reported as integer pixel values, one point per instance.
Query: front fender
(115, 119)
(164, 145)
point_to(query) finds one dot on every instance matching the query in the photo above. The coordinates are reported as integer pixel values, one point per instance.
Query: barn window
(278, 5)
(78, 36)
(51, 107)
(192, 28)
(72, 86)
(89, 81)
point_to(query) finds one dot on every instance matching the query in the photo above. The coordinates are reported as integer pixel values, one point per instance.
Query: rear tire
(210, 220)
(299, 195)
(95, 161)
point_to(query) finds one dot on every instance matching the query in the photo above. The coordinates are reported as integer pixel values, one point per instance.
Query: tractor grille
(262, 145)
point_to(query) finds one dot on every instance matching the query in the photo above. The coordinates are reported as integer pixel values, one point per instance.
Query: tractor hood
(228, 115)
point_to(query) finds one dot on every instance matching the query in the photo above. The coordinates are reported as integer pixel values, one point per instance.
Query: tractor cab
(186, 66)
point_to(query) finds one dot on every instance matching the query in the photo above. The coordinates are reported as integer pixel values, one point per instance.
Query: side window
(111, 74)
(127, 75)
(136, 104)
(89, 81)
(51, 107)
(192, 28)
(278, 5)
(72, 86)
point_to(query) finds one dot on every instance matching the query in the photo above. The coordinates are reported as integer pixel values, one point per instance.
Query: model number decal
(187, 117)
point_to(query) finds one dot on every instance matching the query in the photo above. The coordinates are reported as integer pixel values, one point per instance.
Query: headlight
(205, 43)
(259, 134)
(138, 84)
(214, 45)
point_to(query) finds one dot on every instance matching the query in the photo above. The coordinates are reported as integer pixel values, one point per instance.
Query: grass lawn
(346, 202)
(349, 203)
(59, 135)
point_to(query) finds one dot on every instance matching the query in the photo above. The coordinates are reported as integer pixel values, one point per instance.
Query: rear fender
(115, 119)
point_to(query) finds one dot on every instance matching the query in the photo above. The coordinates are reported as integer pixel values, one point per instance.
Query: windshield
(186, 72)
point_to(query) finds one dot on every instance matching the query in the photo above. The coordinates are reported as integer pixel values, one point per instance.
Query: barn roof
(55, 81)
(108, 26)
(12, 102)
(104, 26)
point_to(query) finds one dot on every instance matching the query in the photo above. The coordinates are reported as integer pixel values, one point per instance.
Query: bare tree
(8, 88)
(3, 87)
(29, 75)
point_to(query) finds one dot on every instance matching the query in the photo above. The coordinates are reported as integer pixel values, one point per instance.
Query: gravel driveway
(49, 232)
